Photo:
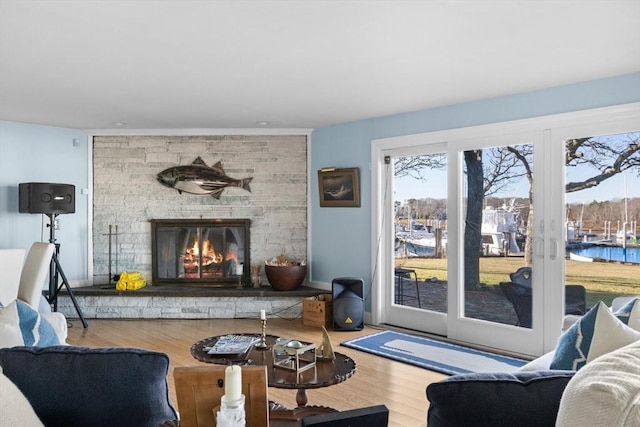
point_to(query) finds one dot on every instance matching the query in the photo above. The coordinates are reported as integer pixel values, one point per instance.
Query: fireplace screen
(207, 252)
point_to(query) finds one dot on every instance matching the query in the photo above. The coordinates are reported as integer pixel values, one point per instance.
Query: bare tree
(608, 155)
(504, 165)
(414, 166)
(473, 220)
(524, 155)
(487, 175)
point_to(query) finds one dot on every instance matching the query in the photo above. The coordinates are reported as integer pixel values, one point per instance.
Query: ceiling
(294, 64)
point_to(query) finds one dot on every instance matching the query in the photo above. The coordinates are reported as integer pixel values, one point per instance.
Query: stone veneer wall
(188, 307)
(127, 195)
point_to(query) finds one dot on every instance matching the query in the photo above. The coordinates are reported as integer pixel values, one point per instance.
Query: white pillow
(10, 335)
(629, 314)
(21, 324)
(539, 364)
(598, 332)
(606, 392)
(15, 409)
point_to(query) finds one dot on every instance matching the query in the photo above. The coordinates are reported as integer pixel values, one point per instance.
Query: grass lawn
(603, 280)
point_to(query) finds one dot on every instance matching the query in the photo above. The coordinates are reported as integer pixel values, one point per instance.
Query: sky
(435, 187)
(617, 187)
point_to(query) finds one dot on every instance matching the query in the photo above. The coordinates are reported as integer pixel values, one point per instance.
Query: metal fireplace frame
(226, 281)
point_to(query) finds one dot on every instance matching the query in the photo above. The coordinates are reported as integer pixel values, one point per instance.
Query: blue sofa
(523, 399)
(80, 386)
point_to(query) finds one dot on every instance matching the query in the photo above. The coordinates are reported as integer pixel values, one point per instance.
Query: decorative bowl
(285, 278)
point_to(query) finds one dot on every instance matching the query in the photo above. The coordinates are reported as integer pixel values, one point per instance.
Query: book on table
(232, 344)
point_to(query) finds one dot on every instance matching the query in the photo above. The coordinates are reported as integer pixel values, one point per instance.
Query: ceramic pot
(287, 278)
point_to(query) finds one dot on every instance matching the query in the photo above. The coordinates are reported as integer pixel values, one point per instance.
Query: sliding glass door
(472, 228)
(601, 218)
(495, 291)
(417, 294)
(458, 228)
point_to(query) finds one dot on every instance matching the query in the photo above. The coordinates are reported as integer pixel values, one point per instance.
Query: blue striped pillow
(22, 325)
(598, 332)
(629, 314)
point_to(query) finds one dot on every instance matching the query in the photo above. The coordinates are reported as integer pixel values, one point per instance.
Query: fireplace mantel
(184, 302)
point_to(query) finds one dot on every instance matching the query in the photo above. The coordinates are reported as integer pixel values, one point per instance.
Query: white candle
(233, 382)
(263, 315)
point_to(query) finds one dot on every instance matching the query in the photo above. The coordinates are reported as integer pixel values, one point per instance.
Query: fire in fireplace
(209, 252)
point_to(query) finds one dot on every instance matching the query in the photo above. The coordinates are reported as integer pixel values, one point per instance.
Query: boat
(499, 231)
(423, 247)
(630, 238)
(419, 242)
(499, 235)
(575, 257)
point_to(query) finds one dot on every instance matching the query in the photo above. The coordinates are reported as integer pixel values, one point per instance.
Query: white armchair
(34, 273)
(28, 285)
(10, 270)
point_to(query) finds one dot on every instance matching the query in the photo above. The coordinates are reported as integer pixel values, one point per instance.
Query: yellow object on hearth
(130, 281)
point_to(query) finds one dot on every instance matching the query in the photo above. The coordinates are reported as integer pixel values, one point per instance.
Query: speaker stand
(56, 273)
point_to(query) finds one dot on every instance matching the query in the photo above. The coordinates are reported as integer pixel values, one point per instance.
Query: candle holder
(231, 413)
(262, 345)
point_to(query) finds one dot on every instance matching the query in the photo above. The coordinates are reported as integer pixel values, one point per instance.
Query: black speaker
(46, 198)
(348, 303)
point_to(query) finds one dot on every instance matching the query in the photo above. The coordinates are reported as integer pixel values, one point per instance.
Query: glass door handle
(538, 247)
(553, 248)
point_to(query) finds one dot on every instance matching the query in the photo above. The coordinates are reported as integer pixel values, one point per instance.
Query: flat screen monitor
(371, 416)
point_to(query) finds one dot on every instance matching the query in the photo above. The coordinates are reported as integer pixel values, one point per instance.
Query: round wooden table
(323, 374)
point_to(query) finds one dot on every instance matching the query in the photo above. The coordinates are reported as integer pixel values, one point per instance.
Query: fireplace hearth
(206, 252)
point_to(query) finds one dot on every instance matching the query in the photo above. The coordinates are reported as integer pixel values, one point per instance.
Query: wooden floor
(377, 380)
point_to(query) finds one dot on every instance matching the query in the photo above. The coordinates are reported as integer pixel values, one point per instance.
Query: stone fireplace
(127, 197)
(206, 252)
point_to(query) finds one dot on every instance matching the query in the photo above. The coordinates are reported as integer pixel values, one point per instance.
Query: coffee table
(323, 374)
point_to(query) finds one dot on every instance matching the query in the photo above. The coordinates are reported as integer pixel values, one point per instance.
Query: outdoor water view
(602, 207)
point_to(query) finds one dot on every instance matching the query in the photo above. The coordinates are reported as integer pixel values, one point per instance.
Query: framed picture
(339, 188)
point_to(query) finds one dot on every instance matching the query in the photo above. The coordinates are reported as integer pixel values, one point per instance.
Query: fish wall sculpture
(198, 178)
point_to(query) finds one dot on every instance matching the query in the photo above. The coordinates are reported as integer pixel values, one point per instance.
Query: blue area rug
(434, 355)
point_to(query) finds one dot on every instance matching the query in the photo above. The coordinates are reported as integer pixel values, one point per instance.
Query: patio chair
(404, 275)
(575, 300)
(520, 297)
(522, 276)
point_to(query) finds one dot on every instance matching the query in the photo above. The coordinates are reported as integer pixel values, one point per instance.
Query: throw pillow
(629, 314)
(523, 399)
(21, 324)
(15, 409)
(80, 386)
(606, 392)
(598, 332)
